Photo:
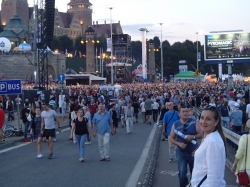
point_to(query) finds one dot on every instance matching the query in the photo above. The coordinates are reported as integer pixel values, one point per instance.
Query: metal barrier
(150, 172)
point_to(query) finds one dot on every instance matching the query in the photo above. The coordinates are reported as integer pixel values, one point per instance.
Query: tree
(80, 44)
(56, 44)
(66, 43)
(136, 50)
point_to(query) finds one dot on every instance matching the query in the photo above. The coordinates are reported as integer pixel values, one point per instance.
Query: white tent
(85, 76)
(118, 64)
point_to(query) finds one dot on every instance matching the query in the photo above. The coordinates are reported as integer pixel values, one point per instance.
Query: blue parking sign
(10, 87)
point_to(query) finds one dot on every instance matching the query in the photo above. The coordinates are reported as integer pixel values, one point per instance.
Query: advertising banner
(227, 46)
(183, 68)
(109, 43)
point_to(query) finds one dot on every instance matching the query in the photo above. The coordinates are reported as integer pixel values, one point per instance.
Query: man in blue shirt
(169, 118)
(103, 126)
(189, 127)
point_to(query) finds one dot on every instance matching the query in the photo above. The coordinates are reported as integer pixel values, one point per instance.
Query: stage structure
(122, 52)
(123, 72)
(45, 15)
(122, 49)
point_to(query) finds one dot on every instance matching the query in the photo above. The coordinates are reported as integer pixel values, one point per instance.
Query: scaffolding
(44, 16)
(122, 51)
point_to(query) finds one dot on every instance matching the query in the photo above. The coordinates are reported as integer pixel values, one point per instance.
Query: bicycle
(10, 130)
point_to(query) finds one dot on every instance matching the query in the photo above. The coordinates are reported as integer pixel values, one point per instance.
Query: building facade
(72, 23)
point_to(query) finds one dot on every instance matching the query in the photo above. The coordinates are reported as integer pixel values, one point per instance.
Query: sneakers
(54, 140)
(81, 160)
(26, 140)
(164, 139)
(171, 160)
(39, 156)
(50, 156)
(87, 143)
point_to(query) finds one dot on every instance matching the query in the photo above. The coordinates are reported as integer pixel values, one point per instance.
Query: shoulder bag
(242, 175)
(204, 178)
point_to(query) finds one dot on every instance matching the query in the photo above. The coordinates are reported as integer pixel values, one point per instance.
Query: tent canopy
(187, 74)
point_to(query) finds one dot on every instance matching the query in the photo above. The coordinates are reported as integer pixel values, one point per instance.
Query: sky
(181, 19)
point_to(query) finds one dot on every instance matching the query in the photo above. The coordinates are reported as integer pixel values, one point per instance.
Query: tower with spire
(12, 7)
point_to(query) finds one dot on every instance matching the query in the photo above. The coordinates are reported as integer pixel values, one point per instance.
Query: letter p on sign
(3, 87)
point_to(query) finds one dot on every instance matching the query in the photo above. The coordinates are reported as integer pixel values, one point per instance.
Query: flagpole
(100, 60)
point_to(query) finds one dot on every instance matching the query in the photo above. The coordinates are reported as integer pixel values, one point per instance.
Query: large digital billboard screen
(227, 46)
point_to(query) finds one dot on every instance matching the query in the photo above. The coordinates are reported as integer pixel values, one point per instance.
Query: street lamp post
(161, 57)
(82, 26)
(111, 38)
(197, 67)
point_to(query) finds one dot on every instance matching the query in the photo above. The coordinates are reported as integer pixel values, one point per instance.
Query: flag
(109, 43)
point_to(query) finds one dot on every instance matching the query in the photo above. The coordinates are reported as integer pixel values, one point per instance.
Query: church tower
(82, 11)
(11, 7)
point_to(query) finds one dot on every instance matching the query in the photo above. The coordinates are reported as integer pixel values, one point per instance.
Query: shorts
(63, 112)
(148, 112)
(49, 133)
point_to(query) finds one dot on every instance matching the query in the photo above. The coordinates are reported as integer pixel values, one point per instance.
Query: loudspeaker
(49, 20)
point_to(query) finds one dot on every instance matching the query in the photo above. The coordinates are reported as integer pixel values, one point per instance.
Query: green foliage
(62, 43)
(80, 44)
(136, 50)
(76, 64)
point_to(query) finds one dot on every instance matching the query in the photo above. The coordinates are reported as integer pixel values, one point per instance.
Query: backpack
(111, 113)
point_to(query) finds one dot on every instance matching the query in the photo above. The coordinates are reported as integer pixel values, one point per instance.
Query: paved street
(20, 167)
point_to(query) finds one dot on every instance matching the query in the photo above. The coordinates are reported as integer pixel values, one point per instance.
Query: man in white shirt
(48, 127)
(155, 107)
(231, 104)
(143, 111)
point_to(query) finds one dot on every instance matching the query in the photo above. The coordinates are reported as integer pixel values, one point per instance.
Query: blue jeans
(10, 115)
(184, 159)
(26, 128)
(225, 122)
(81, 139)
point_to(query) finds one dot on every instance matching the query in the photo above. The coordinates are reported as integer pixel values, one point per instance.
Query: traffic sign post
(61, 77)
(12, 87)
(61, 85)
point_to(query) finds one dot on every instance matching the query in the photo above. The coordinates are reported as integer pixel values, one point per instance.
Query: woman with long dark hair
(210, 157)
(81, 130)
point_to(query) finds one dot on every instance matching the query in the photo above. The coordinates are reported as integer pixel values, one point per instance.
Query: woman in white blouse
(210, 157)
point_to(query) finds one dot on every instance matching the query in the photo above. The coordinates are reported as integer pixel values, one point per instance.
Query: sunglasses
(212, 108)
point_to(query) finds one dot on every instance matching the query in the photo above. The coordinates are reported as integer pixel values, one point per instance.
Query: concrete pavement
(20, 167)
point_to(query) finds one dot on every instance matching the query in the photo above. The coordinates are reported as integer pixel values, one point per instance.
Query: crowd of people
(169, 106)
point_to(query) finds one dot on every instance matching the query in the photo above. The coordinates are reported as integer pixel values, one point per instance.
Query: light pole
(161, 57)
(82, 26)
(36, 74)
(111, 38)
(197, 66)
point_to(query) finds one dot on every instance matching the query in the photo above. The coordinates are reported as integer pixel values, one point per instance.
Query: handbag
(242, 175)
(29, 117)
